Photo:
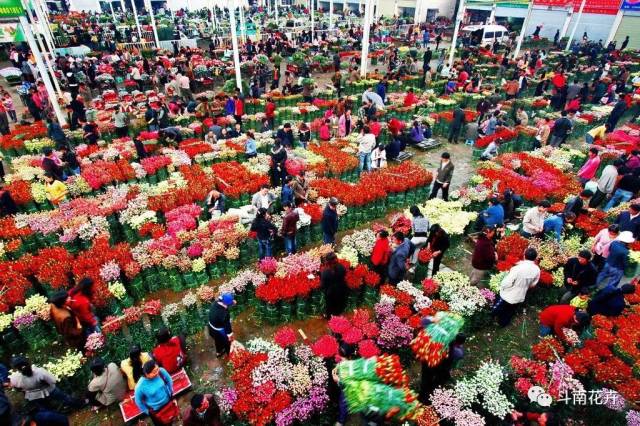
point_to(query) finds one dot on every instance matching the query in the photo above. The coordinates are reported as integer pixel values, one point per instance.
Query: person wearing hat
(65, 321)
(154, 392)
(555, 318)
(616, 262)
(107, 384)
(203, 411)
(38, 384)
(329, 221)
(610, 301)
(220, 324)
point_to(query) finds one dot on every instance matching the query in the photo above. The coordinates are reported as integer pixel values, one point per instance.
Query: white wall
(597, 26)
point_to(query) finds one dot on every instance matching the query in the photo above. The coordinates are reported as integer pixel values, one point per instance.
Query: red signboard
(604, 7)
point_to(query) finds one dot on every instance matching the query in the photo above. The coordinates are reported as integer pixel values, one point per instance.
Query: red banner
(604, 7)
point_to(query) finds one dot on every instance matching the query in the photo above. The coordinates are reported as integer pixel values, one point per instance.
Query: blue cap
(227, 299)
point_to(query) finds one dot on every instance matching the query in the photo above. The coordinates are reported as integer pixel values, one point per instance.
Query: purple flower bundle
(303, 408)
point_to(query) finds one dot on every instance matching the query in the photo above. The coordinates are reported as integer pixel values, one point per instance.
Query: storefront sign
(630, 5)
(11, 33)
(11, 8)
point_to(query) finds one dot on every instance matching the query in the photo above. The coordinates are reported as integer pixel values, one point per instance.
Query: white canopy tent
(86, 5)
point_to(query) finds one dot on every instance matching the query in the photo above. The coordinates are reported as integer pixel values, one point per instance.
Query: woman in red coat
(381, 254)
(80, 304)
(170, 353)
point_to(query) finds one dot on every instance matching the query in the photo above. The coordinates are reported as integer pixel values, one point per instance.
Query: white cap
(626, 237)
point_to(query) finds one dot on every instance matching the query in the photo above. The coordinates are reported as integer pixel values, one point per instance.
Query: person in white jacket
(533, 221)
(366, 143)
(378, 157)
(515, 285)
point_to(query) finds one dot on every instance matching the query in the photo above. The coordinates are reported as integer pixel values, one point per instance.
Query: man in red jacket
(484, 256)
(239, 112)
(555, 318)
(270, 112)
(381, 254)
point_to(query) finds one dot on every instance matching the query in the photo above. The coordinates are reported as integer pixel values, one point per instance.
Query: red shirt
(375, 128)
(558, 317)
(559, 80)
(239, 107)
(410, 99)
(381, 252)
(270, 110)
(395, 126)
(169, 355)
(81, 306)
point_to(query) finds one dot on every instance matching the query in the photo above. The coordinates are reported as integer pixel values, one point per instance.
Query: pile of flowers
(275, 384)
(448, 214)
(462, 297)
(359, 332)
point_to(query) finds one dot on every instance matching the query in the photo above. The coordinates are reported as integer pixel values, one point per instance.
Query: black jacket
(329, 221)
(585, 275)
(263, 228)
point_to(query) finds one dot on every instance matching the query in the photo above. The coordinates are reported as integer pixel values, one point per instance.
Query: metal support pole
(28, 32)
(313, 19)
(153, 23)
(456, 29)
(330, 14)
(575, 27)
(135, 16)
(113, 14)
(364, 57)
(525, 24)
(234, 43)
(614, 28)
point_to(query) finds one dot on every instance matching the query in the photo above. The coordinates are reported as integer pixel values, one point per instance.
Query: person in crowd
(300, 187)
(366, 143)
(8, 205)
(278, 160)
(286, 195)
(52, 165)
(533, 221)
(417, 133)
(132, 366)
(65, 321)
(420, 231)
(71, 166)
(576, 204)
(443, 177)
(484, 256)
(285, 135)
(610, 301)
(289, 227)
(555, 319)
(202, 411)
(304, 134)
(345, 124)
(514, 287)
(154, 394)
(332, 282)
(120, 119)
(265, 231)
(329, 221)
(250, 148)
(626, 189)
(601, 243)
(456, 124)
(263, 199)
(171, 351)
(80, 303)
(220, 324)
(379, 157)
(561, 129)
(434, 377)
(381, 254)
(6, 409)
(56, 190)
(492, 216)
(554, 224)
(398, 261)
(606, 183)
(597, 133)
(491, 151)
(324, 133)
(471, 132)
(107, 385)
(616, 114)
(616, 261)
(579, 275)
(270, 112)
(38, 384)
(590, 167)
(216, 203)
(629, 220)
(438, 243)
(55, 132)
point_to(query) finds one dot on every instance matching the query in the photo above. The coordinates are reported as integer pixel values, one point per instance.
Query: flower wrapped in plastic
(431, 346)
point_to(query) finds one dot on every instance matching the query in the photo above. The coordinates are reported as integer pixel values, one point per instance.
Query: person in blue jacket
(230, 106)
(610, 300)
(630, 220)
(287, 191)
(554, 224)
(381, 89)
(154, 390)
(617, 260)
(398, 262)
(492, 217)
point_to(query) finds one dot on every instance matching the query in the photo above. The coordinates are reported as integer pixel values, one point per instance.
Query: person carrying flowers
(220, 324)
